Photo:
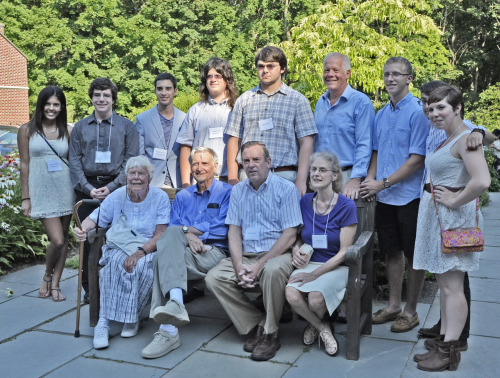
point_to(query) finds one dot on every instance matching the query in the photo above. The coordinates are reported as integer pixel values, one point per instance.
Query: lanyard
(97, 135)
(315, 207)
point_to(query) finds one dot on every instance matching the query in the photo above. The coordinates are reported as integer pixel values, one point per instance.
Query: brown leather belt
(427, 188)
(285, 168)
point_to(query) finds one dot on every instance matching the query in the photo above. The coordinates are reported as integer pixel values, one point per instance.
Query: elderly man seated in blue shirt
(263, 217)
(195, 241)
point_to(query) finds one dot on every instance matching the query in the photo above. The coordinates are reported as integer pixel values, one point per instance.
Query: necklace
(447, 139)
(50, 130)
(327, 208)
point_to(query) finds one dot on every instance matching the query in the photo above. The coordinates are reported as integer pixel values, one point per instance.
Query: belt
(346, 168)
(284, 168)
(102, 178)
(427, 188)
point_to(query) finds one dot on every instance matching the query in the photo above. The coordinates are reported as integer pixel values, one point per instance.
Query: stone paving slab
(26, 312)
(83, 367)
(193, 336)
(492, 240)
(207, 306)
(33, 275)
(229, 342)
(206, 364)
(378, 358)
(487, 269)
(485, 318)
(491, 253)
(485, 290)
(18, 289)
(35, 353)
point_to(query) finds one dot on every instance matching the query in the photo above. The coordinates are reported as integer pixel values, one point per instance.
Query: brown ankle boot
(430, 353)
(446, 356)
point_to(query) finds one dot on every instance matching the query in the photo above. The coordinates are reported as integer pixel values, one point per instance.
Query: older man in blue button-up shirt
(344, 118)
(395, 176)
(263, 218)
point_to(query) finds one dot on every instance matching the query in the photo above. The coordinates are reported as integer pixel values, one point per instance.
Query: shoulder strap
(52, 148)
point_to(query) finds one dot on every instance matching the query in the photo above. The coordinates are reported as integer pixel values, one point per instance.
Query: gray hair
(333, 164)
(403, 61)
(346, 62)
(140, 161)
(199, 149)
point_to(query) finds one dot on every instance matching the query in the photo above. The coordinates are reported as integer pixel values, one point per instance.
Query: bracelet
(142, 250)
(27, 198)
(478, 130)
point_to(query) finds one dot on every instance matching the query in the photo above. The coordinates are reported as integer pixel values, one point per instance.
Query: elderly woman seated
(330, 222)
(139, 214)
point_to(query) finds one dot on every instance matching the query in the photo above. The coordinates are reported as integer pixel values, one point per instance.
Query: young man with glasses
(100, 146)
(395, 177)
(276, 115)
(158, 128)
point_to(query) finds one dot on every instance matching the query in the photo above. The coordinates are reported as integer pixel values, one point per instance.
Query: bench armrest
(359, 248)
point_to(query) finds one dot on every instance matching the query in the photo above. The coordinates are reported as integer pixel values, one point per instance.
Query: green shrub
(21, 238)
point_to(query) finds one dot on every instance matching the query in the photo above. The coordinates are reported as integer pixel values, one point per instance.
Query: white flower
(5, 226)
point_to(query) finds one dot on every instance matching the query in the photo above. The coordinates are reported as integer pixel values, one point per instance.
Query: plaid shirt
(292, 119)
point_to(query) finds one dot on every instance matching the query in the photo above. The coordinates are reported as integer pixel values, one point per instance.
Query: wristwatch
(185, 229)
(478, 130)
(387, 183)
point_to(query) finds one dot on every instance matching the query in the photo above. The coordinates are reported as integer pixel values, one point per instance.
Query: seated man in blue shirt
(344, 118)
(194, 242)
(263, 218)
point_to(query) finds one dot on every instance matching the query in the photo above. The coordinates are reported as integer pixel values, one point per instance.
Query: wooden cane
(80, 266)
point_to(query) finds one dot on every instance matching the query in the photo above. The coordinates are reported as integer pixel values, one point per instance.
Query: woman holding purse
(330, 222)
(47, 193)
(456, 178)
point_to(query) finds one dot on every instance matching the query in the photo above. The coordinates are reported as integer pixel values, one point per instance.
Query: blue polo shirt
(399, 132)
(345, 129)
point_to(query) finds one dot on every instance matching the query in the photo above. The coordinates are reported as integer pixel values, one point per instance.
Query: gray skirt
(331, 285)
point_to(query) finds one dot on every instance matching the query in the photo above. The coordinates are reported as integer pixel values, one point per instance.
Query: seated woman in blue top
(330, 222)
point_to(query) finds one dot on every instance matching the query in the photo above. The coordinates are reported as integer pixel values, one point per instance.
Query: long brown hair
(224, 68)
(35, 124)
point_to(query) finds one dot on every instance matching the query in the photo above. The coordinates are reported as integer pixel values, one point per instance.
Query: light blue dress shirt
(268, 211)
(399, 132)
(203, 118)
(204, 211)
(345, 129)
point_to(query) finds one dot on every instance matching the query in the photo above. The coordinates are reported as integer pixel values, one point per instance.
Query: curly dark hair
(224, 68)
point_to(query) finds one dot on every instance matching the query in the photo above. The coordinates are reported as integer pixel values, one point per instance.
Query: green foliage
(21, 238)
(369, 32)
(486, 111)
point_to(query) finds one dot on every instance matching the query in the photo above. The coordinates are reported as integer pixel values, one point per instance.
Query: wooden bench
(359, 259)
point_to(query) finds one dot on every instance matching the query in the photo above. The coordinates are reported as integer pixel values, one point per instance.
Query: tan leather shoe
(267, 347)
(404, 323)
(254, 339)
(382, 316)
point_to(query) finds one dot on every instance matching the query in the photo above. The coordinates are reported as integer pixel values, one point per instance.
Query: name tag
(160, 154)
(319, 241)
(54, 165)
(266, 124)
(215, 132)
(252, 234)
(103, 157)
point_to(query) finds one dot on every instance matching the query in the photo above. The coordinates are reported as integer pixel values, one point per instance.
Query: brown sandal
(48, 284)
(59, 297)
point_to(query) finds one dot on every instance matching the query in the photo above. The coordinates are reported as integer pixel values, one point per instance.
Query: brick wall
(14, 105)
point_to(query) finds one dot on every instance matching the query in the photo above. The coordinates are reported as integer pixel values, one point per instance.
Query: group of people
(267, 202)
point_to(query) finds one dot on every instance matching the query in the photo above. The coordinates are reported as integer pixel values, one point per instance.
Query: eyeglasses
(269, 67)
(140, 174)
(321, 171)
(216, 77)
(395, 75)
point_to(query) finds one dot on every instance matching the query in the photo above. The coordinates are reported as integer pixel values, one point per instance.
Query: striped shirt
(291, 116)
(204, 126)
(265, 213)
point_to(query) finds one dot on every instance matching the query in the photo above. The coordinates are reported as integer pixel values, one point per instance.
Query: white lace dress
(448, 171)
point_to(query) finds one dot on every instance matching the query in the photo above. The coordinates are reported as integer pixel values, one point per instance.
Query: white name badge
(215, 132)
(266, 124)
(319, 241)
(54, 165)
(160, 153)
(252, 234)
(103, 157)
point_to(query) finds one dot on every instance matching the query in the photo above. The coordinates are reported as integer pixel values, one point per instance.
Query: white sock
(176, 293)
(169, 328)
(103, 322)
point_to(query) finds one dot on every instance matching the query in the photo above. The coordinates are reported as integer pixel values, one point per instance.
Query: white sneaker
(101, 337)
(173, 313)
(130, 329)
(162, 344)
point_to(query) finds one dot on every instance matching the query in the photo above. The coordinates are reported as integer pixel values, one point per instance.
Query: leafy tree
(369, 32)
(487, 110)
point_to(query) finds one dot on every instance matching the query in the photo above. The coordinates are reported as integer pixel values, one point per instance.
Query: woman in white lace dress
(47, 193)
(459, 176)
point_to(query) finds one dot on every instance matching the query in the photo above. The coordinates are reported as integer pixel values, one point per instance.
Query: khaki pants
(175, 264)
(223, 282)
